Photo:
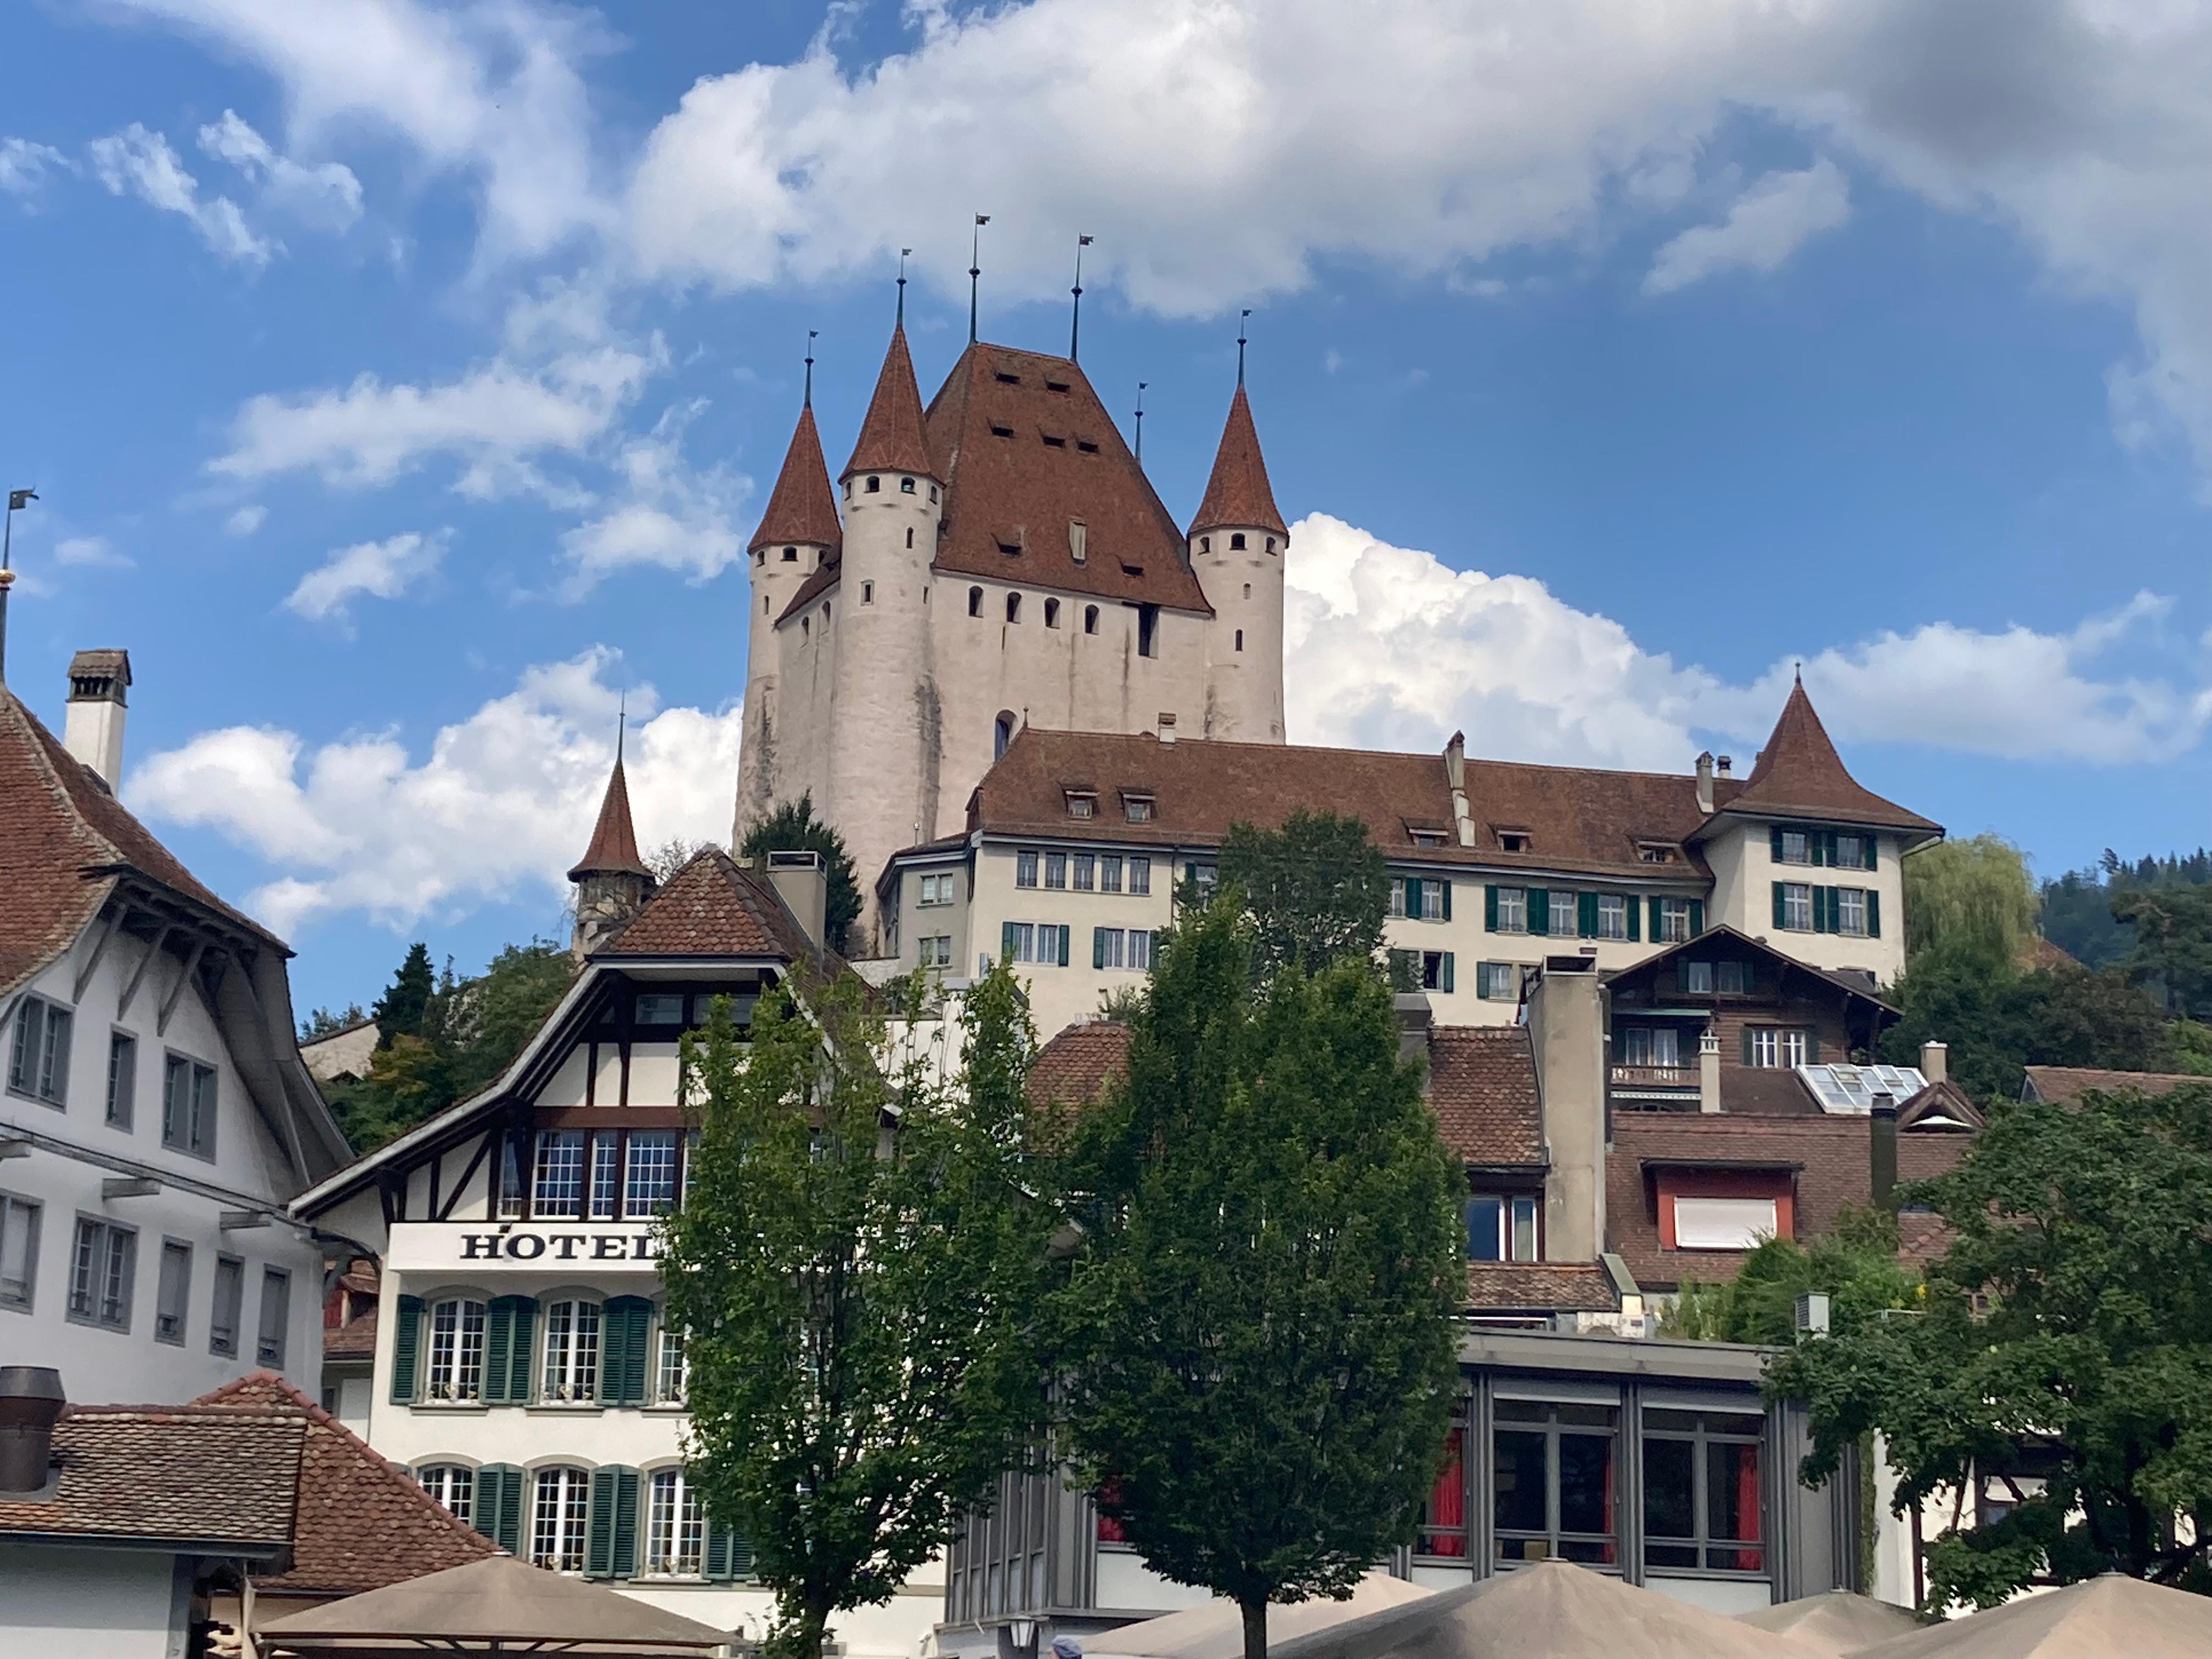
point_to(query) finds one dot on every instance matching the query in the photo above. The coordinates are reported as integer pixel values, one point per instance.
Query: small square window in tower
(1236, 542)
(906, 486)
(791, 556)
(868, 593)
(874, 485)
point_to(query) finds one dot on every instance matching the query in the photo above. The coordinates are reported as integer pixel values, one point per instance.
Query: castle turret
(797, 534)
(612, 883)
(1238, 545)
(883, 727)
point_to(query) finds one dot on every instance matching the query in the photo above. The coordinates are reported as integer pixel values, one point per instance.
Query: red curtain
(1748, 1507)
(1110, 1529)
(1446, 1529)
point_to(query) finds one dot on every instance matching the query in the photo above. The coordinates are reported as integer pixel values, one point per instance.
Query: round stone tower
(1237, 546)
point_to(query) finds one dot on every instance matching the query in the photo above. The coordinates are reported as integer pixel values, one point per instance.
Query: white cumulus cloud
(378, 570)
(139, 162)
(25, 165)
(1774, 217)
(664, 516)
(324, 194)
(498, 808)
(90, 551)
(244, 521)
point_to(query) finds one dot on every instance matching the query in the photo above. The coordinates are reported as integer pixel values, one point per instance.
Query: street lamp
(17, 501)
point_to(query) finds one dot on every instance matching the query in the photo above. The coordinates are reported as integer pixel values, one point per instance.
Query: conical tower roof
(1238, 493)
(614, 840)
(802, 508)
(1800, 774)
(892, 438)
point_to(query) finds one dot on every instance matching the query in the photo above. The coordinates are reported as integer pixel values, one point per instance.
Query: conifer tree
(399, 1012)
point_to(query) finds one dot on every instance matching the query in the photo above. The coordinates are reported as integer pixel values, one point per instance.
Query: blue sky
(401, 383)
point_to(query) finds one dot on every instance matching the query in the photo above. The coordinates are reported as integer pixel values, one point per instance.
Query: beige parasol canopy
(493, 1606)
(2114, 1617)
(1216, 1629)
(1836, 1621)
(1550, 1610)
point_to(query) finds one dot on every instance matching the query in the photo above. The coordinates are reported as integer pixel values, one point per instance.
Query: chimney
(1883, 1156)
(1936, 1061)
(1566, 1024)
(31, 1399)
(1167, 727)
(1709, 1071)
(1414, 1018)
(1455, 777)
(1705, 783)
(92, 732)
(1722, 764)
(801, 880)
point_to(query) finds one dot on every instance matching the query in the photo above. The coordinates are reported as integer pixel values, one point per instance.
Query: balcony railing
(1654, 1077)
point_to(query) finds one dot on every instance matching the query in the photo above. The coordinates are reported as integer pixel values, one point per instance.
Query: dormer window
(1052, 385)
(1001, 429)
(1005, 379)
(1426, 837)
(875, 486)
(1514, 841)
(1010, 549)
(1078, 540)
(1655, 852)
(906, 486)
(1138, 809)
(1054, 439)
(1088, 446)
(1082, 804)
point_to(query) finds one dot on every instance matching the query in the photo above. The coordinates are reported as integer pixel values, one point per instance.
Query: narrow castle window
(974, 601)
(1090, 619)
(1052, 613)
(806, 627)
(1270, 543)
(1240, 639)
(1237, 543)
(906, 486)
(1247, 590)
(868, 597)
(1206, 543)
(909, 535)
(874, 484)
(825, 613)
(763, 604)
(1013, 607)
(1148, 629)
(932, 492)
(1002, 734)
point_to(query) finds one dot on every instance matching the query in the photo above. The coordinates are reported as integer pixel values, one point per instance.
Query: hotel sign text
(607, 1246)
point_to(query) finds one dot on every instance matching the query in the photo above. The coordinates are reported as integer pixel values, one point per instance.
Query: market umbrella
(1836, 1621)
(1216, 1629)
(2114, 1617)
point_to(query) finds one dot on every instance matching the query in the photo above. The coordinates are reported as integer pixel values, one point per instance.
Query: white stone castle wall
(1244, 688)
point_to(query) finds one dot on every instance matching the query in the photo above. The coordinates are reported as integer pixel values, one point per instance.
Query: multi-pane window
(1106, 947)
(571, 1372)
(558, 1516)
(669, 1375)
(1432, 901)
(1612, 916)
(229, 1305)
(275, 1316)
(1082, 806)
(1673, 921)
(649, 1189)
(173, 1294)
(1109, 872)
(1850, 904)
(934, 949)
(19, 1250)
(660, 1008)
(1553, 1484)
(1025, 869)
(674, 1530)
(1704, 1500)
(1796, 1046)
(514, 1194)
(1735, 979)
(1140, 949)
(1795, 903)
(1055, 869)
(456, 1351)
(122, 1078)
(1498, 981)
(1137, 808)
(451, 1485)
(1045, 943)
(1561, 920)
(38, 1061)
(1794, 847)
(101, 1274)
(558, 1187)
(606, 1176)
(1140, 876)
(1854, 852)
(1512, 909)
(1501, 1227)
(1650, 1045)
(937, 889)
(1695, 978)
(1086, 872)
(1762, 1046)
(188, 1106)
(1396, 905)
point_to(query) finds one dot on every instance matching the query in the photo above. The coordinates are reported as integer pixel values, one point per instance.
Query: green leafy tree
(1314, 889)
(495, 1014)
(792, 828)
(1973, 894)
(1854, 1264)
(322, 1023)
(1262, 1362)
(860, 1269)
(2172, 950)
(406, 1003)
(2074, 1307)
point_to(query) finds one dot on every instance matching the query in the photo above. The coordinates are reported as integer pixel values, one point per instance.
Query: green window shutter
(1873, 913)
(1635, 920)
(1774, 833)
(1873, 846)
(1586, 915)
(499, 1345)
(1696, 917)
(1812, 1047)
(624, 1324)
(1098, 947)
(508, 1369)
(1657, 927)
(1445, 978)
(1412, 898)
(1064, 931)
(1746, 1045)
(1828, 847)
(497, 1507)
(599, 1532)
(1778, 911)
(714, 1553)
(406, 1336)
(1490, 908)
(1539, 903)
(1446, 885)
(1005, 941)
(628, 1486)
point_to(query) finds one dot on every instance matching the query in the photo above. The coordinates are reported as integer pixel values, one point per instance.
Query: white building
(1001, 562)
(522, 1369)
(154, 1116)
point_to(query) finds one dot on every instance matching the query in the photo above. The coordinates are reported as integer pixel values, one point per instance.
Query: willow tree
(857, 1268)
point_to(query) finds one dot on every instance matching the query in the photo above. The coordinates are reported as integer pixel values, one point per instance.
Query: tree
(2172, 948)
(672, 855)
(1854, 1264)
(792, 828)
(1314, 889)
(322, 1023)
(859, 1269)
(400, 1010)
(2072, 1312)
(1262, 1363)
(1975, 894)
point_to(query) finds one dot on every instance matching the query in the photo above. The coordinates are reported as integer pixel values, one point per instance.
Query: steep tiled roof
(1539, 1286)
(67, 838)
(1482, 1088)
(614, 838)
(355, 1340)
(2072, 1082)
(1799, 774)
(360, 1524)
(802, 506)
(224, 1475)
(713, 907)
(892, 438)
(1072, 1070)
(1652, 968)
(1938, 1106)
(1028, 448)
(1237, 493)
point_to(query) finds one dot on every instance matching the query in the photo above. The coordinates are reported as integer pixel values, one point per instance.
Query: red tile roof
(355, 1340)
(892, 438)
(1539, 1286)
(221, 1476)
(1238, 492)
(1799, 774)
(1482, 1088)
(1072, 1070)
(2061, 1083)
(802, 506)
(614, 839)
(713, 907)
(360, 1524)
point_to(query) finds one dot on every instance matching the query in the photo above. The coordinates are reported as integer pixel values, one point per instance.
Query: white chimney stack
(92, 732)
(1705, 783)
(1935, 1062)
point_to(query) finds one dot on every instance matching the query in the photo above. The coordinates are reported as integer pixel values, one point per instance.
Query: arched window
(560, 1505)
(1237, 543)
(1247, 590)
(791, 556)
(1002, 732)
(455, 1370)
(571, 1372)
(974, 601)
(451, 1485)
(1090, 619)
(1240, 639)
(909, 535)
(1013, 607)
(906, 486)
(1270, 543)
(1052, 613)
(874, 485)
(669, 1373)
(674, 1530)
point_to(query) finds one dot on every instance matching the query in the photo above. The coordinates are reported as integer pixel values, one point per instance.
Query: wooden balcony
(1655, 1077)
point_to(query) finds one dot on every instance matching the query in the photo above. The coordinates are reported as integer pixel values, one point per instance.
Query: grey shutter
(406, 1338)
(1490, 908)
(1746, 1045)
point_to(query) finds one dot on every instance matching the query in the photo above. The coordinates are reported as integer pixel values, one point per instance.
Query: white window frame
(1562, 913)
(1106, 947)
(1396, 908)
(454, 1364)
(635, 1205)
(550, 1176)
(1139, 950)
(571, 1352)
(102, 1276)
(1432, 900)
(1109, 872)
(1498, 981)
(675, 1526)
(451, 1485)
(1056, 872)
(1083, 876)
(1025, 867)
(1693, 972)
(1724, 1224)
(1673, 921)
(671, 1369)
(1797, 906)
(1766, 1048)
(935, 951)
(20, 1219)
(560, 1510)
(1612, 915)
(1796, 1046)
(1852, 911)
(1796, 847)
(1512, 909)
(1140, 876)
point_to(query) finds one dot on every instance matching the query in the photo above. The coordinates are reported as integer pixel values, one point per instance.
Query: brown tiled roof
(713, 907)
(1072, 1070)
(1799, 774)
(1531, 1286)
(1921, 1237)
(2061, 1083)
(67, 839)
(614, 839)
(225, 1476)
(1237, 493)
(1844, 980)
(1831, 1157)
(1027, 448)
(802, 506)
(892, 438)
(1482, 1088)
(355, 1340)
(1939, 1100)
(360, 1524)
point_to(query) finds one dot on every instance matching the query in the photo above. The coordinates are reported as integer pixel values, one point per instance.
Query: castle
(995, 560)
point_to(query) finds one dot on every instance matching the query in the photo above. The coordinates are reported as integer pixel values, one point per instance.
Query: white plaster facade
(1745, 873)
(72, 1601)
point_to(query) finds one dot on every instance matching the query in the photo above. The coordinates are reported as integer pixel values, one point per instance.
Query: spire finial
(1241, 316)
(1075, 318)
(621, 724)
(1800, 672)
(812, 334)
(974, 269)
(901, 297)
(1140, 421)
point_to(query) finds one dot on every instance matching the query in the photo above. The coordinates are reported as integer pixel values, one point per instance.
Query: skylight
(1848, 1091)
